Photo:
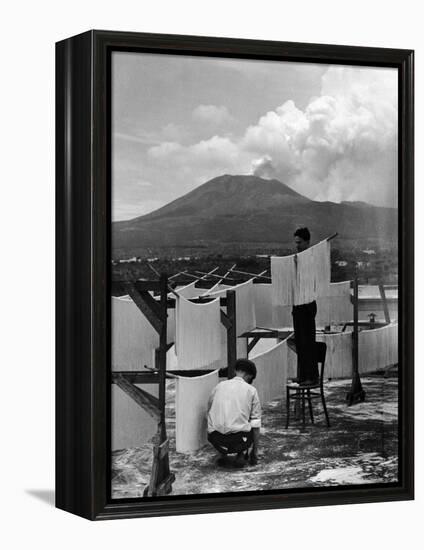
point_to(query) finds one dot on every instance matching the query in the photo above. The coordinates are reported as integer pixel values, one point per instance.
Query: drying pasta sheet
(301, 278)
(131, 426)
(134, 340)
(272, 367)
(242, 348)
(198, 335)
(170, 325)
(191, 407)
(338, 361)
(189, 291)
(245, 305)
(378, 348)
(263, 304)
(291, 363)
(337, 307)
(282, 317)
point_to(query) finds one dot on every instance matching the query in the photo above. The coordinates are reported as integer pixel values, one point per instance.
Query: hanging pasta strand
(301, 278)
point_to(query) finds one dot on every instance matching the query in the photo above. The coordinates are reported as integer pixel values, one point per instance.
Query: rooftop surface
(360, 447)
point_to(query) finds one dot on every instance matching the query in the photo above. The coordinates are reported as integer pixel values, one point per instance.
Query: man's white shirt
(234, 407)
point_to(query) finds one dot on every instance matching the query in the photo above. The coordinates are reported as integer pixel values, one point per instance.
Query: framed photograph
(235, 291)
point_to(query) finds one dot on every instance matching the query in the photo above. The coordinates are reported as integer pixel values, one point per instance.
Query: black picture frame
(83, 260)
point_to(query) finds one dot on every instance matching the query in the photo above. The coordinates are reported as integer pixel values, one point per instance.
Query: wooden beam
(205, 275)
(188, 373)
(168, 374)
(147, 285)
(148, 402)
(147, 305)
(153, 269)
(255, 275)
(161, 356)
(225, 320)
(356, 393)
(253, 343)
(231, 333)
(136, 377)
(165, 487)
(216, 276)
(271, 333)
(331, 237)
(161, 478)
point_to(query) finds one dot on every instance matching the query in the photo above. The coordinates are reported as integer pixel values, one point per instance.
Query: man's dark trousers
(304, 334)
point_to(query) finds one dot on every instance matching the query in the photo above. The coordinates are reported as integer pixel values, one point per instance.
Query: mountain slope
(248, 209)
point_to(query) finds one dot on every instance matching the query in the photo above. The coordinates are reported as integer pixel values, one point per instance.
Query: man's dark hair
(303, 233)
(244, 365)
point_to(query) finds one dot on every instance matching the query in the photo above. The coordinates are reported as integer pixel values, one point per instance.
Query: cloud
(342, 146)
(144, 139)
(217, 153)
(212, 115)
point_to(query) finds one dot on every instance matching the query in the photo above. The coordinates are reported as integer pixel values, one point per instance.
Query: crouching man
(234, 416)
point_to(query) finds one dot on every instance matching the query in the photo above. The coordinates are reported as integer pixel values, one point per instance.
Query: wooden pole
(161, 478)
(356, 393)
(162, 353)
(331, 237)
(205, 275)
(254, 275)
(153, 269)
(231, 333)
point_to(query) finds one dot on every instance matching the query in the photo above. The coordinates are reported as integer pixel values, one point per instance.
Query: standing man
(304, 324)
(234, 416)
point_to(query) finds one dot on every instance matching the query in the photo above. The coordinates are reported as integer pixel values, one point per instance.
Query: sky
(327, 131)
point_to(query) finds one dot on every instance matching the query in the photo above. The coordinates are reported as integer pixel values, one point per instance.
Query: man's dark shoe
(222, 461)
(253, 459)
(240, 461)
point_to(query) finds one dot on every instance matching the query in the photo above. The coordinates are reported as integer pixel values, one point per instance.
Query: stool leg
(325, 408)
(287, 407)
(303, 409)
(310, 406)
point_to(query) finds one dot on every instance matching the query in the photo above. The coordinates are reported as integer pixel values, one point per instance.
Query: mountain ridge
(246, 209)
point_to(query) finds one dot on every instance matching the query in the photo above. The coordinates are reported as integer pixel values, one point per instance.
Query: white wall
(29, 30)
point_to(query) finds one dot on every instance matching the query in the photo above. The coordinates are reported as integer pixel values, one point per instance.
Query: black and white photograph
(254, 275)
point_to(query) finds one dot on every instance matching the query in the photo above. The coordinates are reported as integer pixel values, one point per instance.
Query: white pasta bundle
(198, 335)
(301, 278)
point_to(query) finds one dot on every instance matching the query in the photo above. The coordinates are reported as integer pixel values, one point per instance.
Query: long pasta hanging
(338, 360)
(132, 426)
(337, 306)
(272, 369)
(303, 277)
(263, 304)
(378, 348)
(245, 305)
(198, 335)
(191, 402)
(133, 337)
